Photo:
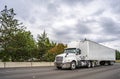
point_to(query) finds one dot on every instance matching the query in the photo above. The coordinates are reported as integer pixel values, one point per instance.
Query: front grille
(59, 59)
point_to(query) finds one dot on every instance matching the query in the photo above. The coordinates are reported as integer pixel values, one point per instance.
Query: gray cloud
(67, 20)
(114, 5)
(110, 26)
(74, 2)
(105, 40)
(98, 12)
(82, 28)
(52, 8)
(63, 36)
(64, 32)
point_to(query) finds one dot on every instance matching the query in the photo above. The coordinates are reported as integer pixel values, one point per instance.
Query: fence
(24, 64)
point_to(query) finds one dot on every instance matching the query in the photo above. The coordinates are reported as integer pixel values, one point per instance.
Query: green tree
(44, 44)
(22, 46)
(117, 55)
(42, 47)
(9, 26)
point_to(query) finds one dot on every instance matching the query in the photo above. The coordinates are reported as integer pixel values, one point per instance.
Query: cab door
(78, 56)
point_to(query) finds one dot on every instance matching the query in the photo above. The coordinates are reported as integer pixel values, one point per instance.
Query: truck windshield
(70, 50)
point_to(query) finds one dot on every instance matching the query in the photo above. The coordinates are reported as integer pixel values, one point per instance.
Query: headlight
(67, 60)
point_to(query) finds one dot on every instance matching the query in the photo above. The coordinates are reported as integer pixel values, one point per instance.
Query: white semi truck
(85, 53)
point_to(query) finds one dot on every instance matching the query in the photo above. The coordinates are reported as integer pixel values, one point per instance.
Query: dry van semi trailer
(85, 53)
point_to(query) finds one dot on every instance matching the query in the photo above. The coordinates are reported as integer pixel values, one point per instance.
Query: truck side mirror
(78, 52)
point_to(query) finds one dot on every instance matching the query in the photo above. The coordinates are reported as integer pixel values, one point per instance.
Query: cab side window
(78, 51)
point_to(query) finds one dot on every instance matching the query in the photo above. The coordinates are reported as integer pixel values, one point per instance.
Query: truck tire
(102, 63)
(92, 64)
(59, 67)
(88, 64)
(73, 65)
(110, 62)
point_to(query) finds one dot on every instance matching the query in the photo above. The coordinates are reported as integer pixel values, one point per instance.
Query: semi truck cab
(69, 59)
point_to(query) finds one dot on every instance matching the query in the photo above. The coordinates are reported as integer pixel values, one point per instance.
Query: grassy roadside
(117, 61)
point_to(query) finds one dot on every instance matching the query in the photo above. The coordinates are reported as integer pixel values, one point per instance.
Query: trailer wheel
(102, 63)
(110, 63)
(73, 65)
(59, 67)
(92, 64)
(89, 64)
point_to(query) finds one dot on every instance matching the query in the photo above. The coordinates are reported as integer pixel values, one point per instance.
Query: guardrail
(24, 64)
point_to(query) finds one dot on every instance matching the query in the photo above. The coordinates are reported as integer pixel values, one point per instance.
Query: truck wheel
(59, 67)
(89, 64)
(92, 64)
(110, 63)
(72, 65)
(102, 63)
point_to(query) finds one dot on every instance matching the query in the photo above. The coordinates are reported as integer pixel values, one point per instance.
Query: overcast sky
(68, 20)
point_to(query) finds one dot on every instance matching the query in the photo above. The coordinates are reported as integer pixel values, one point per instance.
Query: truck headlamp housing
(67, 60)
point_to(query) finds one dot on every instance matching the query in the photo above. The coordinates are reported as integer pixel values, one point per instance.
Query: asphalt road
(101, 72)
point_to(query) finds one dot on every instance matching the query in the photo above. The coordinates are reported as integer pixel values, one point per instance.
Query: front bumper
(62, 65)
